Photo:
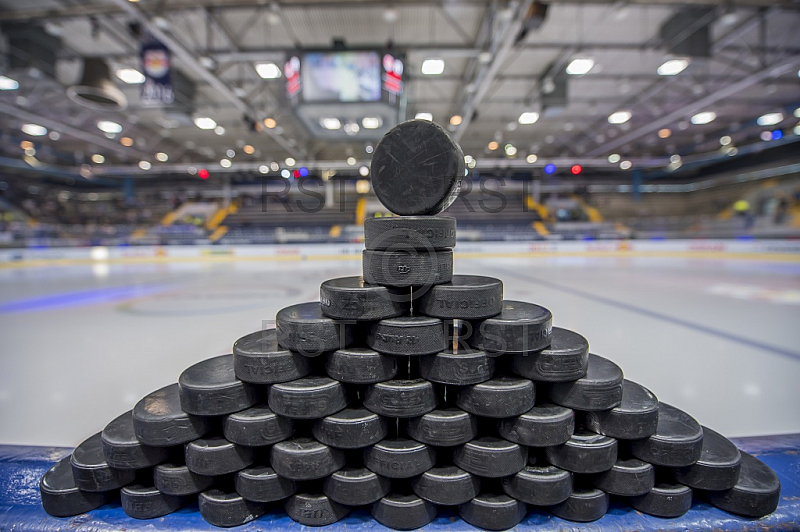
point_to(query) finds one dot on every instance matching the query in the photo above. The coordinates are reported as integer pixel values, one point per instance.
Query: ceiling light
(455, 120)
(532, 158)
(145, 165)
(8, 84)
(620, 117)
(274, 166)
(130, 76)
(270, 123)
(219, 130)
(664, 133)
(510, 150)
(769, 119)
(797, 113)
(371, 122)
(675, 159)
(230, 153)
(26, 145)
(351, 161)
(432, 67)
(268, 70)
(351, 128)
(724, 141)
(126, 141)
(468, 159)
(290, 161)
(672, 67)
(248, 149)
(368, 148)
(580, 66)
(54, 135)
(766, 136)
(424, 116)
(162, 157)
(225, 163)
(204, 122)
(264, 169)
(286, 174)
(330, 123)
(528, 117)
(614, 158)
(363, 171)
(703, 118)
(625, 165)
(493, 145)
(34, 130)
(362, 186)
(98, 159)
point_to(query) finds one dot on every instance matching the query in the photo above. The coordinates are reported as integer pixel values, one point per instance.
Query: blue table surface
(21, 508)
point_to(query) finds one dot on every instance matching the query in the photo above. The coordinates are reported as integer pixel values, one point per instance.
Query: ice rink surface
(80, 344)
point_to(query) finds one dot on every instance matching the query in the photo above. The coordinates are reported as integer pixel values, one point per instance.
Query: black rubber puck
(350, 298)
(490, 457)
(124, 451)
(542, 426)
(599, 389)
(447, 485)
(211, 388)
(584, 452)
(308, 398)
(446, 427)
(757, 491)
(402, 269)
(401, 398)
(407, 336)
(214, 456)
(352, 428)
(159, 421)
(226, 509)
(497, 398)
(147, 502)
(312, 509)
(677, 442)
(256, 426)
(583, 505)
(92, 472)
(466, 367)
(359, 365)
(305, 329)
(417, 169)
(519, 328)
(262, 484)
(355, 486)
(539, 485)
(635, 418)
(403, 511)
(664, 500)
(466, 297)
(176, 479)
(410, 232)
(718, 466)
(258, 359)
(399, 458)
(62, 498)
(305, 459)
(628, 478)
(566, 359)
(493, 511)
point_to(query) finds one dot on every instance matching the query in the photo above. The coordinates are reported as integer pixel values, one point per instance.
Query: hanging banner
(157, 88)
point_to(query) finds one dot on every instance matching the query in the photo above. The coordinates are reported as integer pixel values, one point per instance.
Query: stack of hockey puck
(404, 391)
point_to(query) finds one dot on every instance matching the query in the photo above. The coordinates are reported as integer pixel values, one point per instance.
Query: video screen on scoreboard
(341, 77)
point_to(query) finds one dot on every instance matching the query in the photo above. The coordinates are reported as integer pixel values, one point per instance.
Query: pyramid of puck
(405, 390)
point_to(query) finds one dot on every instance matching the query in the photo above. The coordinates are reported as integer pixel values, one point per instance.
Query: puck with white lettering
(159, 421)
(677, 441)
(446, 427)
(543, 425)
(261, 483)
(402, 269)
(493, 511)
(500, 397)
(718, 466)
(599, 389)
(664, 500)
(256, 426)
(314, 509)
(520, 327)
(539, 485)
(627, 478)
(360, 365)
(446, 485)
(584, 452)
(350, 298)
(566, 359)
(176, 479)
(402, 511)
(147, 502)
(635, 418)
(407, 336)
(757, 491)
(211, 388)
(583, 506)
(308, 398)
(399, 458)
(401, 398)
(305, 459)
(491, 457)
(258, 359)
(214, 456)
(466, 297)
(305, 329)
(124, 451)
(91, 470)
(351, 428)
(227, 508)
(355, 486)
(62, 498)
(410, 232)
(467, 366)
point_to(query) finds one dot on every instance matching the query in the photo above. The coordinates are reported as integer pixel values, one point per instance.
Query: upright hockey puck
(497, 398)
(466, 297)
(351, 428)
(355, 486)
(91, 470)
(599, 389)
(62, 498)
(214, 456)
(583, 506)
(147, 502)
(211, 388)
(445, 427)
(635, 418)
(493, 511)
(402, 269)
(305, 459)
(584, 452)
(539, 485)
(124, 451)
(466, 367)
(314, 509)
(308, 398)
(228, 508)
(159, 421)
(542, 426)
(256, 426)
(305, 329)
(490, 457)
(627, 478)
(447, 485)
(410, 232)
(677, 441)
(757, 491)
(359, 365)
(403, 511)
(350, 298)
(401, 398)
(566, 359)
(407, 336)
(417, 169)
(399, 458)
(664, 500)
(519, 328)
(176, 479)
(718, 466)
(261, 483)
(258, 359)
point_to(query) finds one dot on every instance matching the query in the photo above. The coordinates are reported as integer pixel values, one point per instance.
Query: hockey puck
(410, 232)
(599, 389)
(447, 485)
(583, 505)
(417, 169)
(359, 365)
(258, 359)
(627, 478)
(664, 500)
(446, 427)
(308, 398)
(62, 498)
(542, 426)
(350, 298)
(519, 328)
(465, 297)
(215, 456)
(566, 359)
(401, 398)
(228, 508)
(757, 491)
(210, 388)
(355, 486)
(313, 509)
(497, 398)
(490, 457)
(402, 269)
(147, 502)
(466, 367)
(92, 472)
(635, 418)
(399, 458)
(718, 466)
(159, 421)
(584, 452)
(407, 336)
(305, 459)
(677, 441)
(352, 428)
(256, 426)
(493, 511)
(124, 451)
(261, 483)
(176, 479)
(305, 329)
(539, 485)
(403, 511)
